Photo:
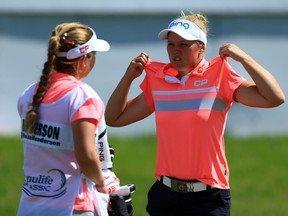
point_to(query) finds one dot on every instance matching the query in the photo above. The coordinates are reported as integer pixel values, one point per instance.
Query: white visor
(94, 44)
(185, 29)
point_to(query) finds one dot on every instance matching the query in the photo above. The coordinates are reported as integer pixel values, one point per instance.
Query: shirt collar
(200, 68)
(56, 76)
(170, 73)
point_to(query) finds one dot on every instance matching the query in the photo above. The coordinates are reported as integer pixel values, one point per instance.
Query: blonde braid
(32, 116)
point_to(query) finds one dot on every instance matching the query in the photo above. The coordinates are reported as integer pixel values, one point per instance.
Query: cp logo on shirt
(200, 82)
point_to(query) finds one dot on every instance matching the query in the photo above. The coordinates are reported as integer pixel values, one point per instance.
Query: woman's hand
(102, 189)
(232, 51)
(136, 66)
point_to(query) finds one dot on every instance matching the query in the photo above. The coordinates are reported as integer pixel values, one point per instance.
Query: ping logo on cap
(185, 25)
(185, 29)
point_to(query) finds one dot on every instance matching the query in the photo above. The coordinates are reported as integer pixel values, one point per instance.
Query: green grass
(259, 175)
(258, 168)
(11, 177)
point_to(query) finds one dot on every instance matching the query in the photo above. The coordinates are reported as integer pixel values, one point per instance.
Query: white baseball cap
(94, 44)
(185, 29)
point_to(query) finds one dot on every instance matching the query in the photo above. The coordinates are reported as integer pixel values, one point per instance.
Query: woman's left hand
(232, 51)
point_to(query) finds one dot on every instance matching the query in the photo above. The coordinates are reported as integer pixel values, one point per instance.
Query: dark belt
(184, 186)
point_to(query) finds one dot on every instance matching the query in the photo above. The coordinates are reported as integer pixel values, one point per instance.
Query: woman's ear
(83, 62)
(202, 48)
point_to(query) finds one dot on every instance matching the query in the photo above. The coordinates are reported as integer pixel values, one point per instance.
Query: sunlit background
(258, 27)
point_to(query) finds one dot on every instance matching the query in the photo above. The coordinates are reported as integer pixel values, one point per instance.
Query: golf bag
(121, 201)
(120, 197)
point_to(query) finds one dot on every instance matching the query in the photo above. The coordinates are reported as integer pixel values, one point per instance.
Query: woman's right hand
(136, 66)
(102, 189)
(119, 110)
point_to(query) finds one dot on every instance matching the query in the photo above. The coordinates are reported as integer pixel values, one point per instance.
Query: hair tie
(66, 40)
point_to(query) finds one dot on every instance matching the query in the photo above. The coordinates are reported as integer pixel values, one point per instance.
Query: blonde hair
(64, 37)
(200, 20)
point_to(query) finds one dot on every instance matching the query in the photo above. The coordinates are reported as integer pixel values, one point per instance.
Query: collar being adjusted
(170, 72)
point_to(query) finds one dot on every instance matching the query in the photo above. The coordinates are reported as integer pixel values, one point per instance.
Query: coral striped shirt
(190, 117)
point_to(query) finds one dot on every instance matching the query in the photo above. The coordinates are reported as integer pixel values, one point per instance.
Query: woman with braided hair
(60, 118)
